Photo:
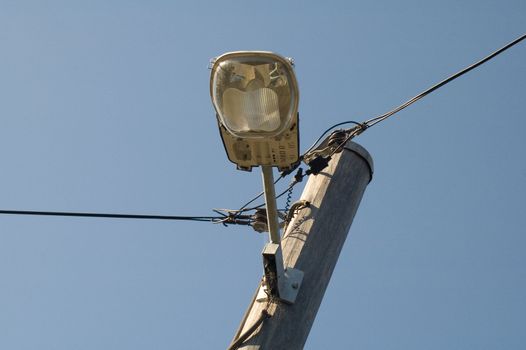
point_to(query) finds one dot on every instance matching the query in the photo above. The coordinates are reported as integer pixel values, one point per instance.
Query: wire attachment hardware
(279, 282)
(260, 220)
(318, 158)
(232, 217)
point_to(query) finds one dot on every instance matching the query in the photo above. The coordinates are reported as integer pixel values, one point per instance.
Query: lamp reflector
(255, 110)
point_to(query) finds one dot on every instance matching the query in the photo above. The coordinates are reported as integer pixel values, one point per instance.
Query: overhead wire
(112, 216)
(326, 131)
(382, 117)
(281, 194)
(244, 206)
(233, 219)
(361, 127)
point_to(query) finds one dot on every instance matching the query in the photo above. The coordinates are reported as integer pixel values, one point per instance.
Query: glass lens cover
(255, 95)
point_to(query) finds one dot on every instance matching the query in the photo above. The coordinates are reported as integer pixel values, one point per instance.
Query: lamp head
(255, 95)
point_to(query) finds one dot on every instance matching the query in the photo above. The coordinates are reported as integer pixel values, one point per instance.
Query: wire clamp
(259, 220)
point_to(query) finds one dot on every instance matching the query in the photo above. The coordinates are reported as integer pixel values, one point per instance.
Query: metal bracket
(280, 283)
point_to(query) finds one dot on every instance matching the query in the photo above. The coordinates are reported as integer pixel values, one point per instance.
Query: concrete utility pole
(312, 243)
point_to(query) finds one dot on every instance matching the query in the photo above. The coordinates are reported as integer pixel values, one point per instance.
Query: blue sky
(105, 107)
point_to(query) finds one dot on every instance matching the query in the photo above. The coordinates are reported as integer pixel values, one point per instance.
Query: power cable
(326, 131)
(382, 117)
(294, 183)
(244, 206)
(239, 341)
(233, 219)
(113, 216)
(361, 127)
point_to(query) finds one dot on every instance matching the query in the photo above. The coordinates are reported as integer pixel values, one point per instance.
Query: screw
(295, 285)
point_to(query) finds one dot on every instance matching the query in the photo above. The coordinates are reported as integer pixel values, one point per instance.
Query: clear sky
(104, 107)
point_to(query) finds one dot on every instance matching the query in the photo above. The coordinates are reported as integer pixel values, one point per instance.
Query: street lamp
(255, 95)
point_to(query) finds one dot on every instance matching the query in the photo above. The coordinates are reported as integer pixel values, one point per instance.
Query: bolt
(295, 285)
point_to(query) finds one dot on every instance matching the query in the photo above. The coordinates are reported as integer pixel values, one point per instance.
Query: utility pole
(312, 243)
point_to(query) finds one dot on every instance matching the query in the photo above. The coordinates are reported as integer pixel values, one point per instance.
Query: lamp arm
(270, 200)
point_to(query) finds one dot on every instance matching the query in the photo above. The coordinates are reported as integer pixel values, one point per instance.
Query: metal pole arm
(270, 200)
(280, 282)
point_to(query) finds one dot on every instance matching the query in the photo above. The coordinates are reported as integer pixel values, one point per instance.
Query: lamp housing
(255, 95)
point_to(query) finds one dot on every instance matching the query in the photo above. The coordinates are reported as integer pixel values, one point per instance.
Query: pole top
(363, 153)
